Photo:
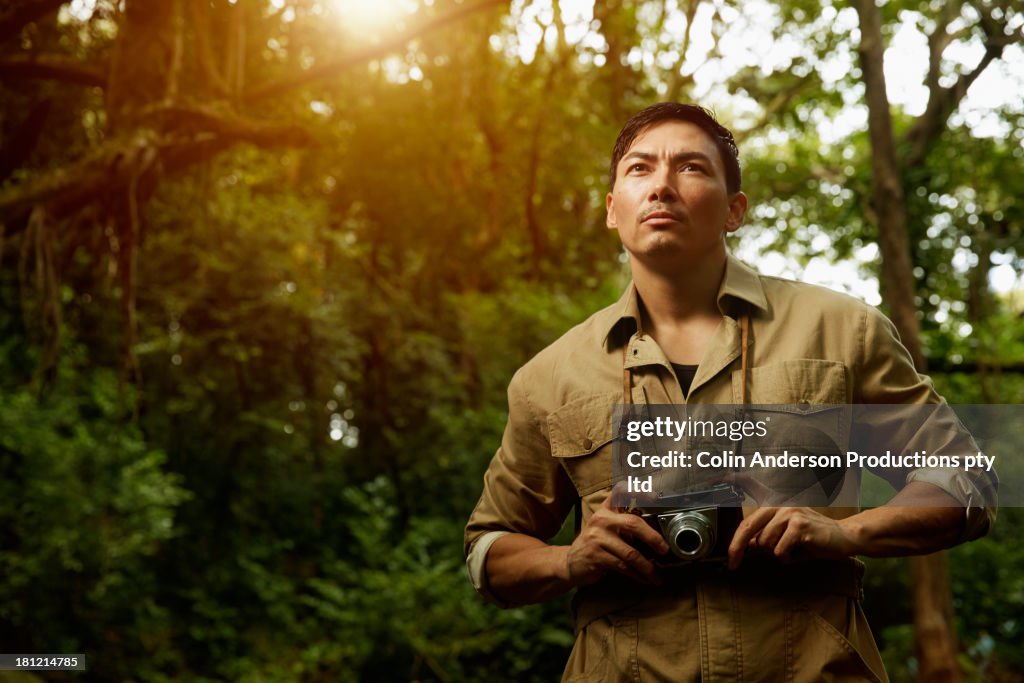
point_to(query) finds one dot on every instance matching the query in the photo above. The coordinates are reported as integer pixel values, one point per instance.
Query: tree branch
(53, 68)
(189, 133)
(328, 69)
(204, 52)
(196, 120)
(780, 100)
(177, 52)
(74, 181)
(942, 102)
(938, 41)
(13, 20)
(676, 78)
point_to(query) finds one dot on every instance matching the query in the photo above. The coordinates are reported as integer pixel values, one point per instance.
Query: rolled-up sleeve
(525, 490)
(886, 375)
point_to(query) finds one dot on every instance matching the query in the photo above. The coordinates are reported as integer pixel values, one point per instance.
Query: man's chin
(664, 247)
(674, 254)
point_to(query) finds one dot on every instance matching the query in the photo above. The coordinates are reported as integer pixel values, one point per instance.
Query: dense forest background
(266, 267)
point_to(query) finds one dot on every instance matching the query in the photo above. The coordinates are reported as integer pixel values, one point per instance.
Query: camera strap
(744, 341)
(744, 367)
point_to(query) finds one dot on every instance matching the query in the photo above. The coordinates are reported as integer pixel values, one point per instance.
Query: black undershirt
(685, 375)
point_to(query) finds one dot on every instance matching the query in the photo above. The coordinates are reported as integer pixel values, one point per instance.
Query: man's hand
(920, 519)
(522, 569)
(792, 533)
(608, 542)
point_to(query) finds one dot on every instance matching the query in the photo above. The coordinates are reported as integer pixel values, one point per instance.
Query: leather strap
(744, 340)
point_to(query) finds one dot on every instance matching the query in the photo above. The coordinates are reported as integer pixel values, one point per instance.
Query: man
(698, 327)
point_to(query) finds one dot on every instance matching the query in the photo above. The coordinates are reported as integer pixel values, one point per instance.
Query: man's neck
(675, 297)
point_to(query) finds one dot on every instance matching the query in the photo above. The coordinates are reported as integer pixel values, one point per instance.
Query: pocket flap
(580, 434)
(582, 426)
(800, 385)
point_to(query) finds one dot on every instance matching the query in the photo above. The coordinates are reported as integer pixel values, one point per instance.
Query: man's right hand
(608, 542)
(522, 569)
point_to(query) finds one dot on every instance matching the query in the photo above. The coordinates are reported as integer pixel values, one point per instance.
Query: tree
(933, 604)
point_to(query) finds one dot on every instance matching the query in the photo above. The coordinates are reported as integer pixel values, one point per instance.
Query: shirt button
(588, 444)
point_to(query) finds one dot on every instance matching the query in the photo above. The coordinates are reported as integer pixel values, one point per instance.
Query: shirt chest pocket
(803, 393)
(582, 440)
(804, 406)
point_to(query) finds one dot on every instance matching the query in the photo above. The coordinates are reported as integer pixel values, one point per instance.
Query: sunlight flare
(372, 15)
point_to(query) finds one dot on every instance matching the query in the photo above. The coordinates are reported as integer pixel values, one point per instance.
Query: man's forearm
(521, 570)
(920, 519)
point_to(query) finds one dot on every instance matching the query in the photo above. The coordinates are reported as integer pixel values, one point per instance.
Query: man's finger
(774, 529)
(635, 528)
(790, 543)
(630, 526)
(630, 561)
(747, 529)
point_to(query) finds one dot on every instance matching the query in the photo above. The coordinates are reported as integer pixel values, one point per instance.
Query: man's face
(670, 203)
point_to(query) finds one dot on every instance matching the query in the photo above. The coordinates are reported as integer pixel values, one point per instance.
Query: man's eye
(636, 168)
(689, 166)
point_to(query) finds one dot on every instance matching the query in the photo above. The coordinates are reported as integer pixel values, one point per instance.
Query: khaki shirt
(807, 345)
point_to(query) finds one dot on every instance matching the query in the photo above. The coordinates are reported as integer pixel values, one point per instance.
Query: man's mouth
(661, 216)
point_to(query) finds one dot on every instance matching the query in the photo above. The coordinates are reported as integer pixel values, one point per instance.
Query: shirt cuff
(476, 565)
(979, 508)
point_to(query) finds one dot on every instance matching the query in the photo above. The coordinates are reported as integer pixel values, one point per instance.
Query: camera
(697, 525)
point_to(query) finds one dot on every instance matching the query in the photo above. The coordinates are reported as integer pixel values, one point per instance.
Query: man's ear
(611, 220)
(737, 210)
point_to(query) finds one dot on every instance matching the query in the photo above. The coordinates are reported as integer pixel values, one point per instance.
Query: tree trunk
(933, 601)
(142, 60)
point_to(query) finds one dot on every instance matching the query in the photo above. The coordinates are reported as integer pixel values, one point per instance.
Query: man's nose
(662, 187)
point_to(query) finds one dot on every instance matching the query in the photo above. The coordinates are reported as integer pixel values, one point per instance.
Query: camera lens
(690, 535)
(688, 540)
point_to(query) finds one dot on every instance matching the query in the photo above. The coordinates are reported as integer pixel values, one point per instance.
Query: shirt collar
(740, 283)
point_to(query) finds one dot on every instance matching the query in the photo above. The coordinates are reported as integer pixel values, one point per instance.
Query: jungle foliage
(265, 272)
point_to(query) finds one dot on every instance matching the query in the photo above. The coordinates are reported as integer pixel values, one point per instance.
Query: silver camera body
(697, 525)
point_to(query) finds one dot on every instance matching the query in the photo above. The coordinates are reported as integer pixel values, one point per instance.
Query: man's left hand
(791, 533)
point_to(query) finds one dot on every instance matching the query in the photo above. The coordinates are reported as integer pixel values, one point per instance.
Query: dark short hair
(675, 111)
